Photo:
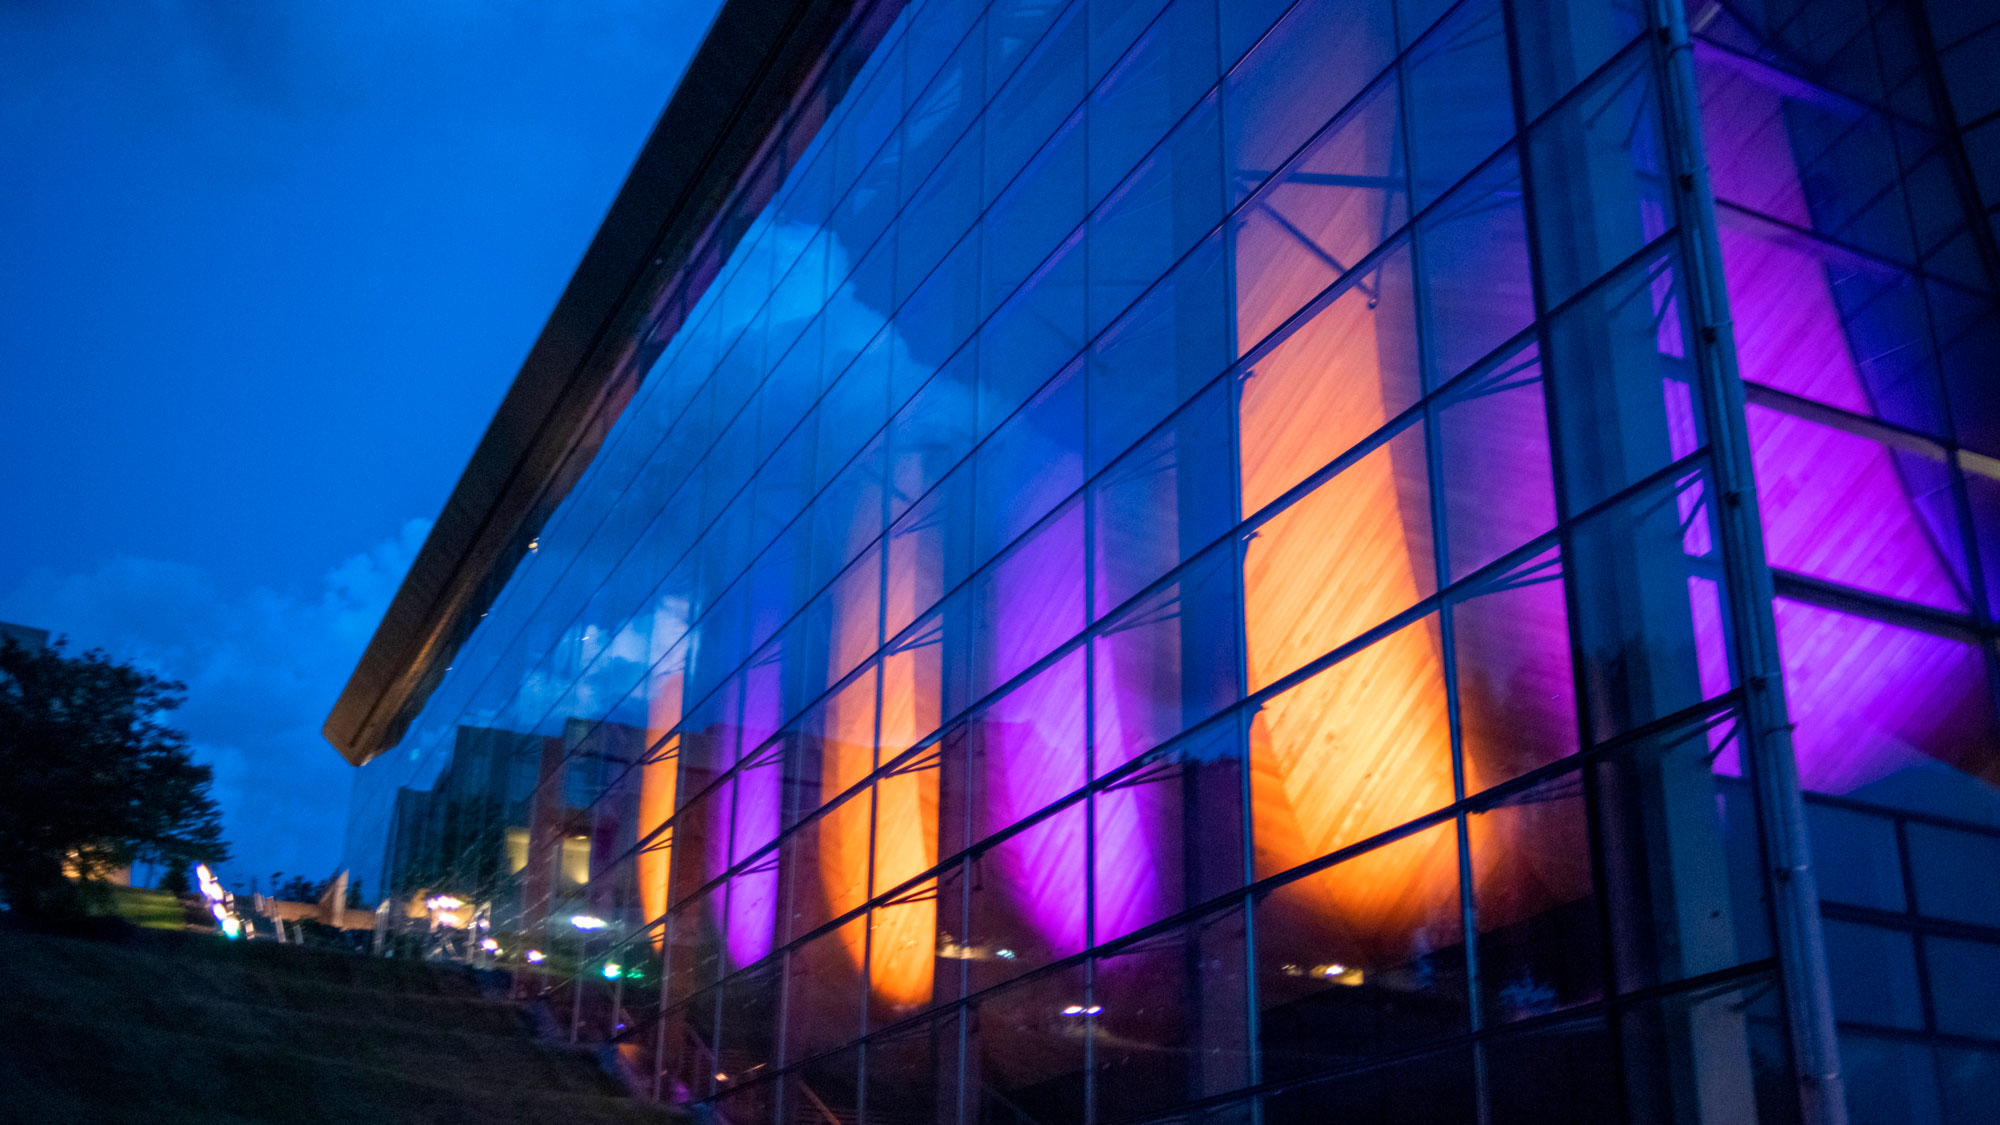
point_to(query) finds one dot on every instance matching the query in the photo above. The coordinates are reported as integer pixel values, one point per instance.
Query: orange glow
(659, 782)
(847, 754)
(904, 815)
(1365, 745)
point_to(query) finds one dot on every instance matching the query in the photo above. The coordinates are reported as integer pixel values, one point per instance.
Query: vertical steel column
(1768, 729)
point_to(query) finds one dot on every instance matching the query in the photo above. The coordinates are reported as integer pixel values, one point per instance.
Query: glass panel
(1954, 873)
(1028, 900)
(1173, 1024)
(823, 992)
(1166, 499)
(1840, 507)
(1856, 857)
(1363, 959)
(913, 1074)
(1887, 714)
(1783, 148)
(1356, 750)
(1623, 383)
(1169, 203)
(1475, 284)
(1651, 632)
(1169, 836)
(1320, 216)
(1335, 379)
(1874, 975)
(1888, 1080)
(1030, 464)
(1965, 986)
(1171, 66)
(1340, 560)
(1161, 351)
(1313, 62)
(1539, 933)
(1030, 602)
(1461, 104)
(1418, 1091)
(1828, 325)
(1493, 439)
(1027, 751)
(1027, 1043)
(1166, 663)
(1600, 177)
(1683, 862)
(1559, 45)
(1516, 687)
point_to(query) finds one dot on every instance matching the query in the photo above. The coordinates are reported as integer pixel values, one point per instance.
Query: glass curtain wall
(1164, 569)
(1864, 306)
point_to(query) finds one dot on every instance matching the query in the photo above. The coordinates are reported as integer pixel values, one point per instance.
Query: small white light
(534, 956)
(1004, 954)
(612, 969)
(1073, 1010)
(587, 922)
(490, 946)
(721, 1077)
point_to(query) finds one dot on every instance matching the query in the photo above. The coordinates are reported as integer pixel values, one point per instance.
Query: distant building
(1229, 561)
(25, 636)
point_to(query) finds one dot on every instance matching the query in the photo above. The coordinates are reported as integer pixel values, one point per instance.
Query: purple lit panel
(758, 789)
(1032, 746)
(1033, 600)
(1516, 691)
(1874, 701)
(1835, 507)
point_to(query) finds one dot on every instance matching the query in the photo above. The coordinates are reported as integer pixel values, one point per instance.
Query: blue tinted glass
(1032, 336)
(1147, 91)
(1311, 64)
(1170, 202)
(1033, 215)
(1461, 105)
(1049, 85)
(1170, 344)
(1030, 464)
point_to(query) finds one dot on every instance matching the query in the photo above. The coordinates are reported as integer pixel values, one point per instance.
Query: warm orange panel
(1338, 562)
(1363, 746)
(847, 754)
(904, 953)
(659, 781)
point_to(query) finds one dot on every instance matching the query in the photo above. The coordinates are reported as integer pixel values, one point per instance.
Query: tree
(91, 778)
(176, 880)
(300, 889)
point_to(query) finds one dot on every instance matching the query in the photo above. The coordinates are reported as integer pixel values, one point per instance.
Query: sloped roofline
(734, 93)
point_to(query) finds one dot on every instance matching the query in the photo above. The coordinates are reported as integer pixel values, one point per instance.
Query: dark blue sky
(265, 271)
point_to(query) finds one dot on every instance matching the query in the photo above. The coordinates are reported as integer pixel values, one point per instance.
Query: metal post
(1767, 736)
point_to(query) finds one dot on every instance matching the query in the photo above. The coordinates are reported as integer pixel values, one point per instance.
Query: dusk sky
(265, 272)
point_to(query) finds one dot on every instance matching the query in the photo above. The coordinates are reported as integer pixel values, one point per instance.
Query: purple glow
(745, 815)
(1035, 752)
(1870, 700)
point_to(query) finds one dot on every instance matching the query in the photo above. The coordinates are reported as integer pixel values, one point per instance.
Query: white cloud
(262, 669)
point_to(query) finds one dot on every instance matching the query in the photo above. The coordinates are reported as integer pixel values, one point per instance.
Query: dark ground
(151, 1025)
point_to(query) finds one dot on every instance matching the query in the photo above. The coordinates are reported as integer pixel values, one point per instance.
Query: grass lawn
(146, 1026)
(147, 909)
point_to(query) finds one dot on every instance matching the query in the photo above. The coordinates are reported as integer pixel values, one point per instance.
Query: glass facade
(1180, 561)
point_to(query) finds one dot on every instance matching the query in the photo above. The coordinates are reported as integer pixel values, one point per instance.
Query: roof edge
(734, 92)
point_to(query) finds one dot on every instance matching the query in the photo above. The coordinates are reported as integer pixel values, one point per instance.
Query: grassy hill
(156, 1026)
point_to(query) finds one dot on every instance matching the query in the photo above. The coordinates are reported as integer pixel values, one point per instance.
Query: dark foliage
(94, 779)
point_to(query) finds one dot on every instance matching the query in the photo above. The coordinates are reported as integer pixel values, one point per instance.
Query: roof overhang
(581, 370)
